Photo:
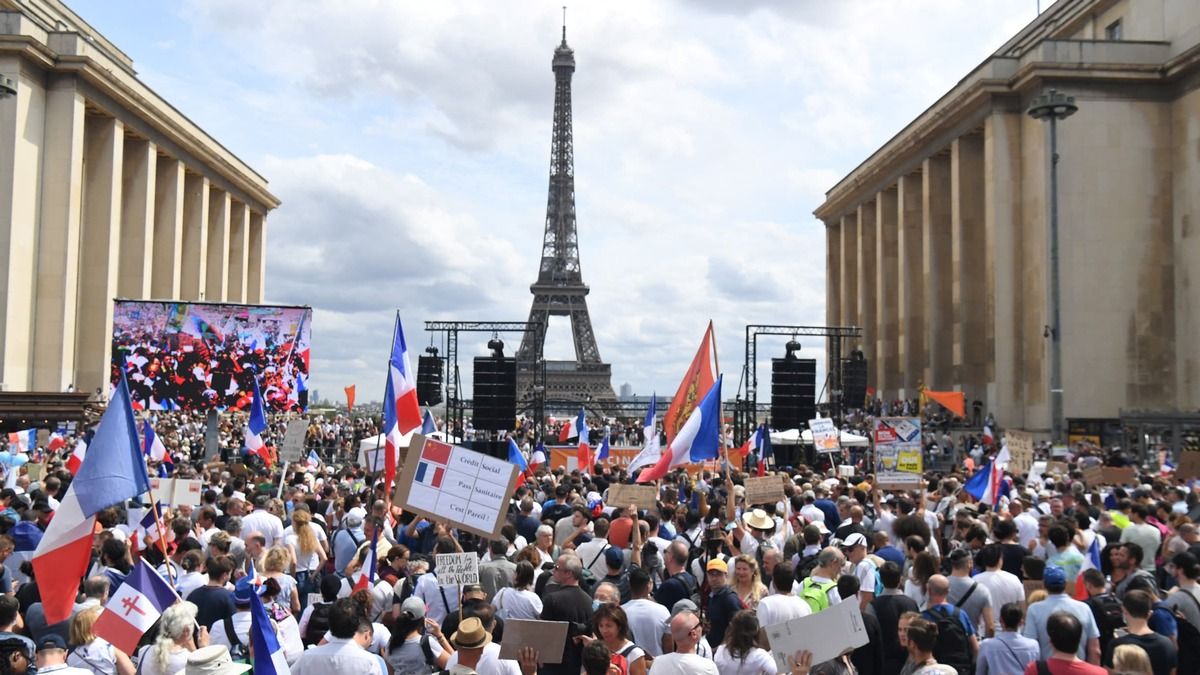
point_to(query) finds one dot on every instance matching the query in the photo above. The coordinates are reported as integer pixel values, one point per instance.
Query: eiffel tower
(559, 289)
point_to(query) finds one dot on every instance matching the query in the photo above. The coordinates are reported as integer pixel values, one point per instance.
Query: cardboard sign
(163, 489)
(641, 496)
(292, 449)
(765, 490)
(828, 634)
(1093, 476)
(1020, 449)
(824, 435)
(457, 569)
(1189, 465)
(1120, 475)
(468, 489)
(187, 491)
(546, 637)
(35, 471)
(1059, 468)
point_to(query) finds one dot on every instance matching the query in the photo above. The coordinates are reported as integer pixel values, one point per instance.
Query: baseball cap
(718, 565)
(684, 605)
(412, 608)
(855, 539)
(51, 641)
(1054, 577)
(614, 557)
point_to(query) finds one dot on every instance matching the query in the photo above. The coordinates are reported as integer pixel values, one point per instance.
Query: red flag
(350, 398)
(696, 382)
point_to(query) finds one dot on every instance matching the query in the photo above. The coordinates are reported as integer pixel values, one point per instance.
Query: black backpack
(952, 647)
(1106, 608)
(1189, 638)
(805, 567)
(318, 623)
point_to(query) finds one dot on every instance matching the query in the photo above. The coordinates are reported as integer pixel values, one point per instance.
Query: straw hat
(759, 520)
(471, 634)
(212, 660)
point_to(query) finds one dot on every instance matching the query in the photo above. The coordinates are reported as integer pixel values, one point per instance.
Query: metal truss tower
(559, 289)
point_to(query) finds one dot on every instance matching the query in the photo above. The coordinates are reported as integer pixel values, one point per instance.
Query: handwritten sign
(824, 435)
(548, 638)
(457, 569)
(1120, 475)
(1020, 450)
(1059, 468)
(641, 496)
(292, 449)
(1189, 464)
(765, 490)
(446, 482)
(828, 634)
(1093, 476)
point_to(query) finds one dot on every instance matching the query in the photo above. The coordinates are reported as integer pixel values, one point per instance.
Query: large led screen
(201, 356)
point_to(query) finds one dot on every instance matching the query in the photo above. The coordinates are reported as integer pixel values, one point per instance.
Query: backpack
(805, 567)
(318, 623)
(1188, 639)
(952, 647)
(1109, 617)
(238, 652)
(816, 594)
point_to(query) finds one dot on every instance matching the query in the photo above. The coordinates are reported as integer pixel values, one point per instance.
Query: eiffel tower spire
(559, 289)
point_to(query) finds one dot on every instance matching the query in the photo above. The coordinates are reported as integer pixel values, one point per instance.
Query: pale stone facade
(937, 245)
(105, 191)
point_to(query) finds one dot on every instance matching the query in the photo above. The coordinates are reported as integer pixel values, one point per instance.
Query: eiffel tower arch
(559, 289)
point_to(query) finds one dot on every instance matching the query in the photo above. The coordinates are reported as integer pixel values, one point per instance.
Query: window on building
(1113, 31)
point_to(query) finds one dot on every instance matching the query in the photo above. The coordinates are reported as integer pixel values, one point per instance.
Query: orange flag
(954, 401)
(350, 398)
(696, 382)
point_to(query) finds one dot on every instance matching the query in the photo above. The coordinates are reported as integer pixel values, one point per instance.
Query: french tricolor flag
(603, 453)
(698, 440)
(134, 608)
(538, 457)
(571, 428)
(153, 446)
(147, 531)
(76, 459)
(651, 453)
(988, 438)
(366, 576)
(255, 445)
(56, 443)
(402, 413)
(431, 464)
(1091, 561)
(988, 484)
(268, 653)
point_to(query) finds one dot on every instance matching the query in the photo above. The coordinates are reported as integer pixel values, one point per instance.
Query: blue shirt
(1006, 653)
(1038, 612)
(832, 519)
(949, 610)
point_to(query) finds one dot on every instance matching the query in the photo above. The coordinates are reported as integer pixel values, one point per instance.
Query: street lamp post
(1053, 106)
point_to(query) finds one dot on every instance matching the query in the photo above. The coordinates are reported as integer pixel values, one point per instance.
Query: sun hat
(471, 634)
(213, 660)
(758, 519)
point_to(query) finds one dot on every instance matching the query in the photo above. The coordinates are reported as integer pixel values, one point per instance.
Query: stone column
(239, 251)
(1002, 235)
(865, 265)
(218, 245)
(911, 274)
(192, 285)
(257, 266)
(22, 143)
(58, 237)
(100, 236)
(137, 219)
(849, 269)
(938, 286)
(168, 228)
(973, 343)
(833, 273)
(887, 293)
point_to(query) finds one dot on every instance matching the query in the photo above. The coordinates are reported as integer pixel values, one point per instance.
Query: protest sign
(898, 459)
(1189, 464)
(828, 634)
(35, 471)
(765, 490)
(1020, 450)
(1093, 476)
(469, 489)
(1120, 475)
(546, 637)
(1057, 467)
(641, 496)
(845, 471)
(824, 435)
(457, 569)
(187, 491)
(292, 449)
(162, 489)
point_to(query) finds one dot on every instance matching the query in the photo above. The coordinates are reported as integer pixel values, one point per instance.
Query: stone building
(937, 243)
(105, 191)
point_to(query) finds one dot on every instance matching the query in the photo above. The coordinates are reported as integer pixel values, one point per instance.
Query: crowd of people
(943, 584)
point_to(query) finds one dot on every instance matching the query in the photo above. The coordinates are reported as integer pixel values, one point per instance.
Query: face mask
(595, 604)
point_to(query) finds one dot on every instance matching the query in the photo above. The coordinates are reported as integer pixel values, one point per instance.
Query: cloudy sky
(410, 141)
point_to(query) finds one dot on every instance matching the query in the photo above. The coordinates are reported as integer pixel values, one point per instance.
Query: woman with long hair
(747, 582)
(92, 653)
(519, 601)
(415, 639)
(740, 654)
(611, 627)
(305, 540)
(275, 564)
(924, 565)
(178, 636)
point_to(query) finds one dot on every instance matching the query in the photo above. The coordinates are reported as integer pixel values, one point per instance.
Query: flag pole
(162, 538)
(712, 336)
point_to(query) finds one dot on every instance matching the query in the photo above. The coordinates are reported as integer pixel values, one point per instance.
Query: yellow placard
(909, 461)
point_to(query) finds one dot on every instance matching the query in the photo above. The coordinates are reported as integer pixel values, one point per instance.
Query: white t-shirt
(775, 609)
(439, 600)
(1004, 588)
(683, 664)
(648, 622)
(490, 662)
(304, 563)
(757, 662)
(511, 603)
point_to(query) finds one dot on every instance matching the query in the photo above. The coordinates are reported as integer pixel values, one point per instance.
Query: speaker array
(854, 382)
(495, 396)
(429, 380)
(793, 392)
